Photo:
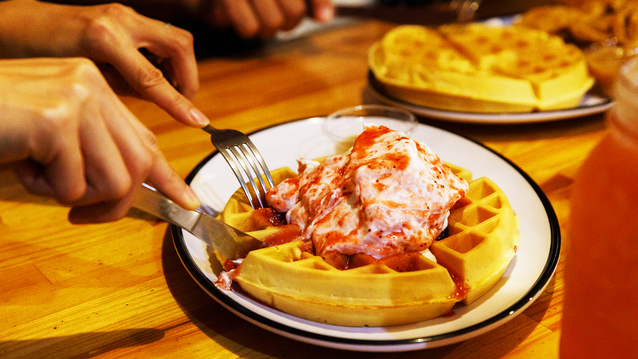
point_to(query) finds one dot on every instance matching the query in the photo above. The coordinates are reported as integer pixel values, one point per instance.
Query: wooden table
(119, 289)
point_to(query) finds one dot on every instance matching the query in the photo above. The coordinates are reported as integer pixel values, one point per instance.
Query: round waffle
(480, 68)
(482, 239)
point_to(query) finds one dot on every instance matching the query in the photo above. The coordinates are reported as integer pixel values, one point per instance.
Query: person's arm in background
(262, 18)
(69, 137)
(111, 36)
(249, 18)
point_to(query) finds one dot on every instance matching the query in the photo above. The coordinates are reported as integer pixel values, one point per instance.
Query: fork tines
(245, 161)
(248, 165)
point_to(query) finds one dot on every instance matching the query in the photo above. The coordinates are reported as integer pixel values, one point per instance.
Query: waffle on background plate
(480, 68)
(482, 238)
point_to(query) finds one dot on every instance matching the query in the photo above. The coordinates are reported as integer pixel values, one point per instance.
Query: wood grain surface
(120, 290)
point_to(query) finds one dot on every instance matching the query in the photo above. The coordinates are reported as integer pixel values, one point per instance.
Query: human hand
(70, 137)
(262, 18)
(111, 36)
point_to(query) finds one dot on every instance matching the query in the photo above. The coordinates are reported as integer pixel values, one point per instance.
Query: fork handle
(211, 130)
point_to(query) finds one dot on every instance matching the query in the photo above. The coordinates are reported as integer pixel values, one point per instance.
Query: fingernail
(326, 14)
(193, 200)
(198, 117)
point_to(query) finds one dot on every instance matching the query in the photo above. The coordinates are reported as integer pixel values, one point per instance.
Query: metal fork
(245, 161)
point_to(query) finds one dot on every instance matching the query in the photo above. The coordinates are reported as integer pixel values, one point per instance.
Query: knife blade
(225, 240)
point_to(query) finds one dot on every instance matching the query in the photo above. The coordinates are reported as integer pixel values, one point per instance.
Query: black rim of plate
(539, 285)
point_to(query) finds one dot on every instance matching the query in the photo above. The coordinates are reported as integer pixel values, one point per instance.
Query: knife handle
(151, 201)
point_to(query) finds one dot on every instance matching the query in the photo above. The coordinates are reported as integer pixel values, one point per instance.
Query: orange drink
(600, 317)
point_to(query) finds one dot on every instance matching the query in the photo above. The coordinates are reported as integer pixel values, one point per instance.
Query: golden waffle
(239, 214)
(483, 236)
(480, 68)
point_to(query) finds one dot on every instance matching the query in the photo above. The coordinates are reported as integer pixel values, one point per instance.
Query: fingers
(115, 36)
(257, 18)
(322, 10)
(151, 84)
(144, 162)
(109, 148)
(55, 166)
(58, 179)
(111, 34)
(78, 137)
(154, 169)
(162, 175)
(263, 18)
(270, 17)
(78, 143)
(159, 173)
(242, 17)
(176, 45)
(293, 11)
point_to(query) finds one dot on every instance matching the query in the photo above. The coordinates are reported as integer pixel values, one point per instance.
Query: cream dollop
(389, 195)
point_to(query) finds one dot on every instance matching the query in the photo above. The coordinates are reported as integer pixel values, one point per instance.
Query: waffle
(586, 22)
(480, 68)
(482, 239)
(239, 214)
(607, 30)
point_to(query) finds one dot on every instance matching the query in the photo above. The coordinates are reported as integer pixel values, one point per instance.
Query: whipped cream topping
(389, 195)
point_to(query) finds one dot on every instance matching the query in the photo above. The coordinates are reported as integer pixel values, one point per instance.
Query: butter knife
(225, 240)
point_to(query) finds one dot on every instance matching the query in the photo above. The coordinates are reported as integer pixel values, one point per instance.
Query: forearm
(29, 28)
(164, 10)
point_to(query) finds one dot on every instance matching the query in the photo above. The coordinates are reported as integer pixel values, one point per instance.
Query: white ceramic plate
(528, 273)
(590, 105)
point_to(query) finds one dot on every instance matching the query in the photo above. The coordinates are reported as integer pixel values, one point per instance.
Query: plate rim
(378, 344)
(495, 118)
